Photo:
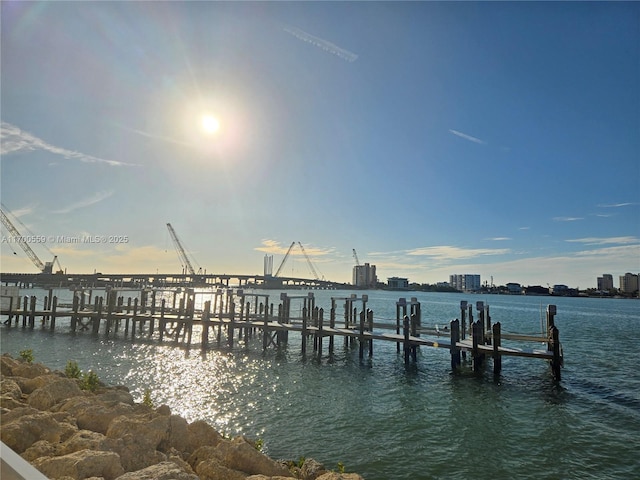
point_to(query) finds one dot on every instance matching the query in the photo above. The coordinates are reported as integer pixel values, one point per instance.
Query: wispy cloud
(13, 140)
(605, 241)
(276, 248)
(86, 202)
(321, 43)
(499, 239)
(467, 137)
(616, 205)
(446, 252)
(567, 219)
(524, 228)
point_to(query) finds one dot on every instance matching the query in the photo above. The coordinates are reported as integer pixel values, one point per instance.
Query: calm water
(388, 422)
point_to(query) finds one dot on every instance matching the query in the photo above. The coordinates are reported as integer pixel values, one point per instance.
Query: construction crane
(286, 256)
(284, 260)
(181, 252)
(46, 267)
(313, 270)
(355, 256)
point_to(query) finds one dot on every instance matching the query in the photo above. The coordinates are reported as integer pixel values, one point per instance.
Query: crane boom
(24, 245)
(181, 253)
(355, 256)
(313, 270)
(284, 260)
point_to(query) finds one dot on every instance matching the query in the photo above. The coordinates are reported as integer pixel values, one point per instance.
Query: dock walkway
(232, 314)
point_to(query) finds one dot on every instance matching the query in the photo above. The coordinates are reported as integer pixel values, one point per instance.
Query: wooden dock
(171, 315)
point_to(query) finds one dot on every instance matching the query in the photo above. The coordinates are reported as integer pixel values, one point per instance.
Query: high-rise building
(629, 283)
(466, 283)
(605, 282)
(364, 276)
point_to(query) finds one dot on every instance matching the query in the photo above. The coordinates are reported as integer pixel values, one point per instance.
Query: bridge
(144, 280)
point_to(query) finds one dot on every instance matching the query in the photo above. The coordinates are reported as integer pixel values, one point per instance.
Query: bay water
(388, 421)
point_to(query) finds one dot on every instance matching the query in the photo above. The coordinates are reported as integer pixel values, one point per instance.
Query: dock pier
(172, 315)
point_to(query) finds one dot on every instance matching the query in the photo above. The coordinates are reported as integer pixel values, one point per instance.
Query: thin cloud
(276, 248)
(616, 205)
(321, 43)
(524, 228)
(606, 240)
(446, 252)
(96, 198)
(499, 239)
(567, 219)
(13, 139)
(467, 137)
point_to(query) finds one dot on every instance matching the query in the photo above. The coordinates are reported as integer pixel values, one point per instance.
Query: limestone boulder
(47, 396)
(22, 432)
(28, 385)
(241, 454)
(162, 471)
(146, 432)
(201, 434)
(28, 370)
(312, 469)
(115, 396)
(340, 476)
(81, 465)
(177, 435)
(10, 388)
(83, 440)
(92, 414)
(213, 469)
(40, 449)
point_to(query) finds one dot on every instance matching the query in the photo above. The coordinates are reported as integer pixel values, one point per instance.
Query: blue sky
(501, 139)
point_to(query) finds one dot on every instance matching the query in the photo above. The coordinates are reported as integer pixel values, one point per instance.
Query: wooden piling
(406, 347)
(361, 336)
(32, 315)
(95, 318)
(454, 350)
(370, 329)
(497, 342)
(556, 363)
(319, 334)
(54, 306)
(205, 323)
(163, 322)
(74, 315)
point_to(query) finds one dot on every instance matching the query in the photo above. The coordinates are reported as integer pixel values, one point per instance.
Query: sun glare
(209, 124)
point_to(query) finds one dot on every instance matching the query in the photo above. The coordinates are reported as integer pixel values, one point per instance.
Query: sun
(209, 124)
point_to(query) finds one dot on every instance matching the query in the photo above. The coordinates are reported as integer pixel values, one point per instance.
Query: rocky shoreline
(68, 432)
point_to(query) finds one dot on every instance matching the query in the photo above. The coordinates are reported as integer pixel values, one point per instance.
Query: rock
(20, 433)
(84, 440)
(200, 455)
(340, 476)
(10, 388)
(45, 397)
(115, 396)
(82, 465)
(161, 471)
(163, 410)
(94, 415)
(146, 433)
(177, 435)
(201, 434)
(264, 477)
(312, 469)
(29, 370)
(212, 469)
(41, 448)
(240, 454)
(28, 385)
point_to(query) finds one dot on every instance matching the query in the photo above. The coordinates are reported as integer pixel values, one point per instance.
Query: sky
(434, 138)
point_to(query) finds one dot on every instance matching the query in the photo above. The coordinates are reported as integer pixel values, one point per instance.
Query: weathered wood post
(265, 330)
(206, 322)
(463, 325)
(111, 297)
(134, 317)
(370, 328)
(332, 325)
(406, 331)
(414, 332)
(97, 316)
(232, 321)
(480, 308)
(32, 315)
(319, 334)
(127, 318)
(417, 312)
(153, 303)
(54, 306)
(487, 317)
(454, 350)
(25, 309)
(162, 324)
(45, 318)
(497, 341)
(74, 315)
(470, 315)
(401, 312)
(475, 352)
(304, 330)
(556, 363)
(361, 336)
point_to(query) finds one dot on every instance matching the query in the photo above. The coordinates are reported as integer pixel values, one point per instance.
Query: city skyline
(433, 138)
